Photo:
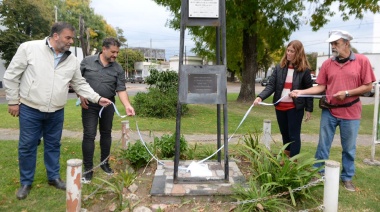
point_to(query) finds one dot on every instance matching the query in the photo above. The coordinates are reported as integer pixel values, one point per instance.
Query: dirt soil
(184, 204)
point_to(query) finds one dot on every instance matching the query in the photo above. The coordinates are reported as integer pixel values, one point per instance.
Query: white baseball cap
(338, 34)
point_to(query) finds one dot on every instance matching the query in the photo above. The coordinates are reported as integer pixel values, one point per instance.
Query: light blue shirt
(57, 57)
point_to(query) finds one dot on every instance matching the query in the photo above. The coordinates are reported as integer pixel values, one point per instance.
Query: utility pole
(329, 43)
(56, 13)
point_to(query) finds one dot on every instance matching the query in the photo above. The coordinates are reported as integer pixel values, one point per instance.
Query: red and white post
(73, 185)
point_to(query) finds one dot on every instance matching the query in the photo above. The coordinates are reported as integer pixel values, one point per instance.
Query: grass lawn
(201, 119)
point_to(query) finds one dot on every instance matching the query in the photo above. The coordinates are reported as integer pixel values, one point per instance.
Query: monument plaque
(203, 8)
(202, 83)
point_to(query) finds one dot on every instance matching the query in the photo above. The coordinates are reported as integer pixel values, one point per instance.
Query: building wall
(142, 68)
(2, 72)
(189, 60)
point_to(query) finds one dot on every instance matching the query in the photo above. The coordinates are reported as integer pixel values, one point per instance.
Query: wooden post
(125, 133)
(73, 185)
(267, 137)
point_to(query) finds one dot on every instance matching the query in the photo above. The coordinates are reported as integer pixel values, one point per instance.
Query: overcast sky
(144, 25)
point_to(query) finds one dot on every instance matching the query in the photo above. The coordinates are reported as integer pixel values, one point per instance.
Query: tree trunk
(247, 89)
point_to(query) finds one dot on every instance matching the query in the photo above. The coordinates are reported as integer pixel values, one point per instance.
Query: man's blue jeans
(33, 123)
(348, 134)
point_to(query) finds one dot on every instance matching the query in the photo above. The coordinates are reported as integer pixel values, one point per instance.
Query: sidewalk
(13, 134)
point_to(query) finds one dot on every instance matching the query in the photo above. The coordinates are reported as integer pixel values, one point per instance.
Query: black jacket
(301, 80)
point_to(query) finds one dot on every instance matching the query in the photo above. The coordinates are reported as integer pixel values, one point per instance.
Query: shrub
(165, 146)
(137, 155)
(158, 104)
(161, 99)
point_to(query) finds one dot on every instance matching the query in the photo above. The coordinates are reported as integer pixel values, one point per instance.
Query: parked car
(138, 79)
(128, 79)
(258, 79)
(265, 81)
(370, 93)
(71, 90)
(313, 78)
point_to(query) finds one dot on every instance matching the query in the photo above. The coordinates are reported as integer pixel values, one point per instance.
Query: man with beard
(344, 77)
(36, 84)
(107, 78)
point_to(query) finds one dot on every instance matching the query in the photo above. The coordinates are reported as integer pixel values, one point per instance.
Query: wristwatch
(347, 94)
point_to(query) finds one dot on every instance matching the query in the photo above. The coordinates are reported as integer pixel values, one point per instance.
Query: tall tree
(23, 20)
(128, 57)
(256, 27)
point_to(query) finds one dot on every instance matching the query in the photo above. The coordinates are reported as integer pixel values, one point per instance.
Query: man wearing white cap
(344, 77)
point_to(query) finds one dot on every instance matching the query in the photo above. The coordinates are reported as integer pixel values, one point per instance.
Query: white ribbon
(116, 111)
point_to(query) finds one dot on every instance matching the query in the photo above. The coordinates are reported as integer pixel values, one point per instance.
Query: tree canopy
(255, 29)
(26, 20)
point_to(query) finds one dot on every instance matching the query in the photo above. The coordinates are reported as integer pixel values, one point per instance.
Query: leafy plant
(156, 103)
(161, 99)
(258, 198)
(276, 171)
(165, 146)
(136, 154)
(117, 184)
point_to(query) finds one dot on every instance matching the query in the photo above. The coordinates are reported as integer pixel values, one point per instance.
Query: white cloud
(143, 23)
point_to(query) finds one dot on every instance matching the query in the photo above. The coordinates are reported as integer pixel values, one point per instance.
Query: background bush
(161, 99)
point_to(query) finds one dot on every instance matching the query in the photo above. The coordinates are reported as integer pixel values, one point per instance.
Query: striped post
(125, 133)
(73, 185)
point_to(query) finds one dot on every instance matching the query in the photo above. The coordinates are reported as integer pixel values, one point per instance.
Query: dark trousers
(90, 119)
(290, 122)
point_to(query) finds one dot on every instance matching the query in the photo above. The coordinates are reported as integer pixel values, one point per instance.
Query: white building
(188, 60)
(142, 68)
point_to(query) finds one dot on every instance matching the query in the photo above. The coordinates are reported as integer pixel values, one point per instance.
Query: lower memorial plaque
(202, 83)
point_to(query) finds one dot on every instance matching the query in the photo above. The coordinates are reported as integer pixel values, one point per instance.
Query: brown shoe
(349, 186)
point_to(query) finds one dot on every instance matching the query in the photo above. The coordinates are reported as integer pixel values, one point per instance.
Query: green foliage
(24, 20)
(164, 80)
(117, 184)
(312, 58)
(136, 154)
(162, 98)
(165, 146)
(157, 104)
(255, 29)
(256, 192)
(127, 58)
(275, 173)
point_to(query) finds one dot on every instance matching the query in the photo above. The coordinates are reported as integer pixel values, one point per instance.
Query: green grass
(44, 197)
(200, 119)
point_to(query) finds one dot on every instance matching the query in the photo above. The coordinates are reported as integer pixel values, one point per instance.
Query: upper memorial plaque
(203, 8)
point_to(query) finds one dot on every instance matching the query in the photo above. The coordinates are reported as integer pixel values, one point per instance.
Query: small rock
(142, 209)
(112, 207)
(132, 197)
(133, 188)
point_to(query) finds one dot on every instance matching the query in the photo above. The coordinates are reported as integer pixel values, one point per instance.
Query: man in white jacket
(36, 84)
